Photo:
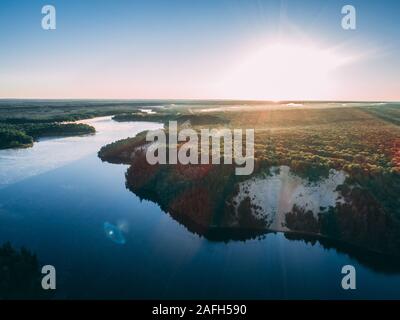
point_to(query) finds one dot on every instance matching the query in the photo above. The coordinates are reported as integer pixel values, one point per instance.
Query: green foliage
(120, 151)
(172, 115)
(56, 129)
(13, 138)
(311, 142)
(20, 276)
(363, 141)
(23, 135)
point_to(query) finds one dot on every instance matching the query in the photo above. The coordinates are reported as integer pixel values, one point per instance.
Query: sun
(284, 71)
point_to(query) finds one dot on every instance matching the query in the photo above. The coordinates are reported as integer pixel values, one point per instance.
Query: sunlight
(284, 71)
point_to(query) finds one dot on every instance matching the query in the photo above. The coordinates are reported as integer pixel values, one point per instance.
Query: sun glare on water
(283, 71)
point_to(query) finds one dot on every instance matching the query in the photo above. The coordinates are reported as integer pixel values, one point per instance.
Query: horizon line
(195, 99)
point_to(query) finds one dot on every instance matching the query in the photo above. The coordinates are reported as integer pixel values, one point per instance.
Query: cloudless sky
(176, 49)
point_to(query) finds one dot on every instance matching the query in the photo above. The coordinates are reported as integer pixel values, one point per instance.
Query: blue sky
(200, 49)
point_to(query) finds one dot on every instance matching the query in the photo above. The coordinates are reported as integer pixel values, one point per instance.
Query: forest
(20, 277)
(23, 122)
(358, 140)
(24, 134)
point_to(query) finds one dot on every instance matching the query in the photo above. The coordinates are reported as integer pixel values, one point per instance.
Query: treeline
(24, 134)
(139, 116)
(20, 276)
(120, 151)
(14, 138)
(56, 129)
(54, 118)
(61, 111)
(196, 119)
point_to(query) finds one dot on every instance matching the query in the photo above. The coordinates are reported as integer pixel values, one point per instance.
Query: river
(62, 202)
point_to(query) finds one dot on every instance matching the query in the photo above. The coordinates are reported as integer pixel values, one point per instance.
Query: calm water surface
(60, 201)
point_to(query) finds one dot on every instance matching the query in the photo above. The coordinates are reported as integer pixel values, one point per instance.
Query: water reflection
(277, 202)
(60, 215)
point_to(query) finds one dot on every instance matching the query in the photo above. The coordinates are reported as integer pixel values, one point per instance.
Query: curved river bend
(60, 201)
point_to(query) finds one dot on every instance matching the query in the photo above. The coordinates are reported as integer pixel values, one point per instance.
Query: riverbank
(48, 154)
(24, 122)
(24, 135)
(68, 194)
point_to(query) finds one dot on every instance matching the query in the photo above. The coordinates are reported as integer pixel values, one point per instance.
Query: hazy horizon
(195, 100)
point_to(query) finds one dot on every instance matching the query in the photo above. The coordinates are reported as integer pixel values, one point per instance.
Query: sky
(200, 49)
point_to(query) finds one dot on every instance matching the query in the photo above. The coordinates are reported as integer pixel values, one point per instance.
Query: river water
(62, 202)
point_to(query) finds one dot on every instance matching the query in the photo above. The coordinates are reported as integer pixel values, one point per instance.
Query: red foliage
(194, 204)
(143, 171)
(193, 172)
